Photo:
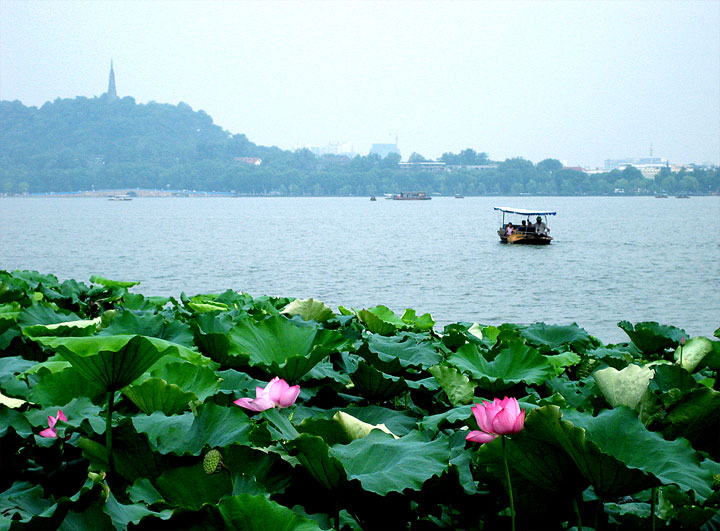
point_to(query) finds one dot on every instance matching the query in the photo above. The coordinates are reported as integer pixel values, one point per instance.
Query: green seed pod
(212, 462)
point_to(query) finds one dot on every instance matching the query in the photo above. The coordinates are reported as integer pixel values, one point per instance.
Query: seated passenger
(523, 228)
(509, 229)
(540, 227)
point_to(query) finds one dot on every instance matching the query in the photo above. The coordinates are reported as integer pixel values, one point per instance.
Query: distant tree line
(91, 143)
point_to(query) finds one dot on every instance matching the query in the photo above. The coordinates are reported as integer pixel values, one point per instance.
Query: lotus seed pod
(212, 462)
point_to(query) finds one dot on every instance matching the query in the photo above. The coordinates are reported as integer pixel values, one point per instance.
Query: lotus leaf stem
(653, 496)
(577, 513)
(108, 428)
(509, 484)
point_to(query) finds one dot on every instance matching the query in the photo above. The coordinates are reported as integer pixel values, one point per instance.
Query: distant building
(427, 166)
(111, 91)
(335, 148)
(384, 149)
(618, 164)
(254, 161)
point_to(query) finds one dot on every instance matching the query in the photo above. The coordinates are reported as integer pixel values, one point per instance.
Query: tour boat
(526, 234)
(120, 198)
(410, 196)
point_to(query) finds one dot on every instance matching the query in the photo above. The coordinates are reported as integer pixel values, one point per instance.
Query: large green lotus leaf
(95, 279)
(554, 336)
(614, 446)
(39, 314)
(671, 376)
(626, 387)
(211, 332)
(535, 456)
(201, 381)
(697, 413)
(282, 348)
(456, 385)
(123, 515)
(12, 365)
(423, 323)
(514, 364)
(59, 388)
(563, 360)
(9, 418)
(651, 337)
(22, 502)
(257, 513)
(150, 325)
(375, 385)
(215, 426)
(112, 361)
(391, 354)
(383, 464)
(78, 328)
(155, 394)
(269, 470)
(309, 310)
(399, 422)
(317, 457)
(381, 320)
(191, 488)
(690, 355)
(456, 417)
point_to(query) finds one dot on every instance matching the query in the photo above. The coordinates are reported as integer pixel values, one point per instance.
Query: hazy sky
(580, 81)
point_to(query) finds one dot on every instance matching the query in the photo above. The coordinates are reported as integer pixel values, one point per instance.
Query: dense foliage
(118, 412)
(83, 144)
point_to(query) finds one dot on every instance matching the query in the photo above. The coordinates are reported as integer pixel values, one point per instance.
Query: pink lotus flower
(502, 417)
(51, 432)
(277, 393)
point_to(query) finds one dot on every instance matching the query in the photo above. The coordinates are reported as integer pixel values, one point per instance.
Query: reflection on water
(613, 258)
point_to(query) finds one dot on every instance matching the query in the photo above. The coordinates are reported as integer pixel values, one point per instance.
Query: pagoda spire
(111, 91)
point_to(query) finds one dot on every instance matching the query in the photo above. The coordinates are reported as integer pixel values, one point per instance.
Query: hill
(94, 143)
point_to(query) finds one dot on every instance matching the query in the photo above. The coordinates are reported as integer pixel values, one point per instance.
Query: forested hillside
(91, 143)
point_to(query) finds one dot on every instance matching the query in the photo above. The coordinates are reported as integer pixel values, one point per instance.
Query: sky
(578, 81)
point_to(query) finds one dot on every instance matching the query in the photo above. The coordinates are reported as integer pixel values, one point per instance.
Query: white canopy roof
(523, 212)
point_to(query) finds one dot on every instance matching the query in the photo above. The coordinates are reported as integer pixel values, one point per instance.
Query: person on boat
(509, 229)
(540, 227)
(523, 228)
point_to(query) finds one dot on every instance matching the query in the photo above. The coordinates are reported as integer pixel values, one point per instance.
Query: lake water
(613, 258)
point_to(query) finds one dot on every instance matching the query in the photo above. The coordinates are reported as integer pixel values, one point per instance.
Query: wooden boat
(120, 198)
(410, 196)
(372, 198)
(528, 234)
(459, 196)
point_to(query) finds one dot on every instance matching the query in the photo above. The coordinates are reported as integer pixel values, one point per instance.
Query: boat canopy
(523, 212)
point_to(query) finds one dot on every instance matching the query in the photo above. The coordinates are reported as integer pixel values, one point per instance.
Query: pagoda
(111, 91)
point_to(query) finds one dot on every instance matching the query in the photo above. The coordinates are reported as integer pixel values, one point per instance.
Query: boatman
(540, 227)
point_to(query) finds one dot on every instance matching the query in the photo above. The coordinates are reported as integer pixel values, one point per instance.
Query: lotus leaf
(150, 325)
(155, 394)
(355, 428)
(375, 385)
(456, 385)
(381, 320)
(282, 348)
(383, 464)
(60, 387)
(690, 355)
(423, 323)
(392, 354)
(201, 381)
(257, 513)
(651, 337)
(554, 336)
(112, 361)
(626, 387)
(191, 488)
(316, 456)
(309, 310)
(619, 455)
(214, 426)
(514, 364)
(95, 279)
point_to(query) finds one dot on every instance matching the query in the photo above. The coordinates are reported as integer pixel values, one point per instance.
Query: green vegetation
(83, 144)
(119, 410)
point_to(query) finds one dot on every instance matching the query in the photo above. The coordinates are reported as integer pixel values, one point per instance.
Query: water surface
(613, 258)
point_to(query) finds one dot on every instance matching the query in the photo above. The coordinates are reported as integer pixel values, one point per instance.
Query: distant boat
(120, 198)
(459, 196)
(372, 198)
(661, 197)
(524, 234)
(682, 197)
(410, 196)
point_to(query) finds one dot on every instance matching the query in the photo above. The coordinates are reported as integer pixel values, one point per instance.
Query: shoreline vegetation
(96, 144)
(232, 411)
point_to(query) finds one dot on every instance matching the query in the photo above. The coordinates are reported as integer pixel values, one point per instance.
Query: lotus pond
(227, 411)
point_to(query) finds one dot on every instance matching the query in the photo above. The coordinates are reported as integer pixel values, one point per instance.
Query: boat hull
(519, 238)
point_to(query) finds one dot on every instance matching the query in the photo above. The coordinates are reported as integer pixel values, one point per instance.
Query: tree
(549, 165)
(417, 157)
